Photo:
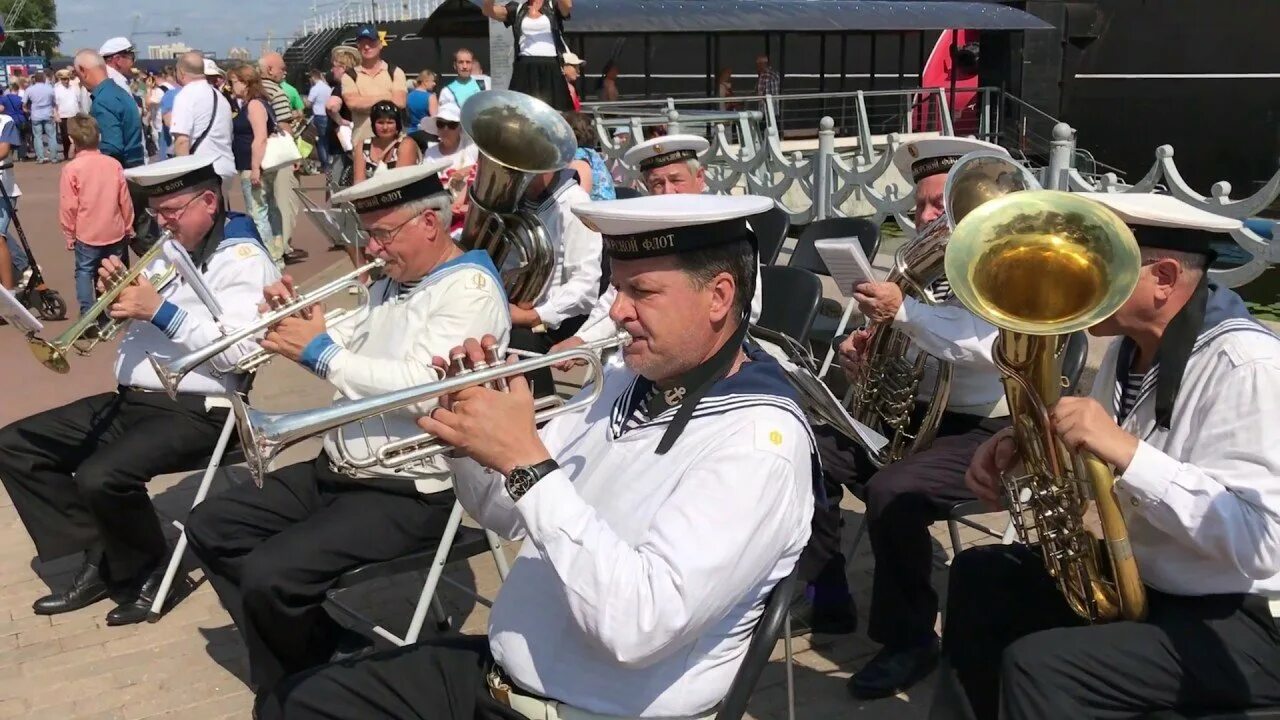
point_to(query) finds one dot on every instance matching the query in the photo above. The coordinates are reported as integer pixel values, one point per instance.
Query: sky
(215, 26)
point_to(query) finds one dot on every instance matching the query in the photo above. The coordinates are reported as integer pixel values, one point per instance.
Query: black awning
(760, 16)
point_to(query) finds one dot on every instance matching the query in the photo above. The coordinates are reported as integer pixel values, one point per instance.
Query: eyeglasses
(447, 124)
(172, 215)
(386, 237)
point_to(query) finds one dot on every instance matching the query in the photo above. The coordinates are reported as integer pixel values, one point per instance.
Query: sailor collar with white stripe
(1164, 222)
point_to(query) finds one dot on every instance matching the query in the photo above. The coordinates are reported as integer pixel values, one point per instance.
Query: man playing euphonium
(656, 520)
(1184, 409)
(272, 552)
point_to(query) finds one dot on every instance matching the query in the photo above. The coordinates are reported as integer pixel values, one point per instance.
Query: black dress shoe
(893, 670)
(828, 618)
(295, 256)
(87, 588)
(136, 610)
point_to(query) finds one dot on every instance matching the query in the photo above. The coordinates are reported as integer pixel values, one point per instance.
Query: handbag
(281, 150)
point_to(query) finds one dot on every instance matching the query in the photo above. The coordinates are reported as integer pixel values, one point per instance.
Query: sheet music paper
(17, 315)
(846, 262)
(339, 224)
(176, 254)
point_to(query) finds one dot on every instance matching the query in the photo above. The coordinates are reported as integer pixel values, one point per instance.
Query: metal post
(673, 122)
(1062, 150)
(822, 179)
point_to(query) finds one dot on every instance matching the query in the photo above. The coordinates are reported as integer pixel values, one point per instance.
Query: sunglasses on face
(447, 124)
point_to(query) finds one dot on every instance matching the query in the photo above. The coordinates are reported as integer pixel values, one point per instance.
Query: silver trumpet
(264, 435)
(171, 374)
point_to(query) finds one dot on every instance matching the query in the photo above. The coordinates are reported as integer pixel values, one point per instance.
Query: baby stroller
(33, 293)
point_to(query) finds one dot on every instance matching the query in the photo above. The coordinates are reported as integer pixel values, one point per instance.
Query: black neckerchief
(1173, 352)
(695, 383)
(209, 245)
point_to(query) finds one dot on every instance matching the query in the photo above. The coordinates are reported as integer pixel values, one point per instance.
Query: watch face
(521, 476)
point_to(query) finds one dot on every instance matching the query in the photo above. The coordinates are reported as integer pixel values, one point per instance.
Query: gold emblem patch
(478, 281)
(658, 149)
(913, 151)
(245, 251)
(674, 395)
(775, 437)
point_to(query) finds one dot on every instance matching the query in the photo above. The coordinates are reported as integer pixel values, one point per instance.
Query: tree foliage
(32, 15)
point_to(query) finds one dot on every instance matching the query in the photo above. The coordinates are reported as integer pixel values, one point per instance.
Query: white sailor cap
(665, 150)
(934, 156)
(173, 175)
(1163, 221)
(115, 46)
(211, 68)
(394, 187)
(657, 225)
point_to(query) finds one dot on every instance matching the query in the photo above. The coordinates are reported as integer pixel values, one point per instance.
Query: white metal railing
(367, 11)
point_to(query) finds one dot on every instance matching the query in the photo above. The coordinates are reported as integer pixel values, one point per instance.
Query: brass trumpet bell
(1042, 262)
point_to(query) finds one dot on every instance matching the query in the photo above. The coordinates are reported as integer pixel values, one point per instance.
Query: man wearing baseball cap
(118, 53)
(370, 81)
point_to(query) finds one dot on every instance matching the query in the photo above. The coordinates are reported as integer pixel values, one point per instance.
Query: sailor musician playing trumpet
(78, 474)
(681, 496)
(271, 553)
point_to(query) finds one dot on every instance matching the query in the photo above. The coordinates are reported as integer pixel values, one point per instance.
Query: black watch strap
(522, 479)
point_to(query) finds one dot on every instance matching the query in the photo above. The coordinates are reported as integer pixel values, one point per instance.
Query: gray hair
(441, 203)
(1189, 261)
(88, 59)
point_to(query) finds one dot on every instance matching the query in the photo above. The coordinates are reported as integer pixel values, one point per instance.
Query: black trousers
(903, 500)
(64, 139)
(78, 474)
(527, 339)
(439, 678)
(272, 552)
(1013, 644)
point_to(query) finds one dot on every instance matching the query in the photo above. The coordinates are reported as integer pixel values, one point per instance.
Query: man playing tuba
(906, 497)
(1183, 408)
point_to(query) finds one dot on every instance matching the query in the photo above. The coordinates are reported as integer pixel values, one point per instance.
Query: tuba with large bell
(1039, 266)
(519, 137)
(892, 371)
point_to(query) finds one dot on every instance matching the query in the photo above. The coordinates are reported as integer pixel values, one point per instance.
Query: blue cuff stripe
(317, 354)
(326, 359)
(168, 318)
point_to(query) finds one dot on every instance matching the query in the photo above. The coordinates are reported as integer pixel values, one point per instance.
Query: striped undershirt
(1129, 393)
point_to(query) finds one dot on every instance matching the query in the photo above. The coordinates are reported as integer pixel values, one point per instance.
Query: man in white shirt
(683, 498)
(575, 281)
(668, 164)
(67, 103)
(119, 54)
(201, 120)
(1184, 409)
(78, 474)
(271, 553)
(906, 497)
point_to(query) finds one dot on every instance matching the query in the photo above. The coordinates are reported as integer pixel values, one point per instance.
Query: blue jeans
(88, 259)
(321, 124)
(46, 139)
(20, 260)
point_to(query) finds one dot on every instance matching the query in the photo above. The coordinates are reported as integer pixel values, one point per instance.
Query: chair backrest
(1073, 360)
(789, 300)
(622, 192)
(763, 640)
(807, 257)
(771, 229)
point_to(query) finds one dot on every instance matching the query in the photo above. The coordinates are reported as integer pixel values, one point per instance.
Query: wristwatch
(525, 477)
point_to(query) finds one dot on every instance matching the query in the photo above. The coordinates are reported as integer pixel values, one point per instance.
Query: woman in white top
(462, 154)
(538, 30)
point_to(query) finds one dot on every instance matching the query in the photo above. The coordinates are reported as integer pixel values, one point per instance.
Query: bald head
(190, 67)
(271, 66)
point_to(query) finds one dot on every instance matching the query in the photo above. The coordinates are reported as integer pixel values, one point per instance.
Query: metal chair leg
(831, 351)
(791, 678)
(433, 579)
(180, 549)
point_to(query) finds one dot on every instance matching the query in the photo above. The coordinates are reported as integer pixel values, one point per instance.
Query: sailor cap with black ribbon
(173, 175)
(665, 150)
(394, 187)
(935, 156)
(1163, 221)
(660, 225)
(657, 225)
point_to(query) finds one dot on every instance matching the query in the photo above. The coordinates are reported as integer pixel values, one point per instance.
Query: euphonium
(519, 138)
(53, 353)
(891, 373)
(1041, 265)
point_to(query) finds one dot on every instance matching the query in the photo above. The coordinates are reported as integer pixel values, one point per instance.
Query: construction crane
(174, 31)
(268, 42)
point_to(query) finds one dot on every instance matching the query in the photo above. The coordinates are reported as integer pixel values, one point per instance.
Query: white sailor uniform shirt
(236, 273)
(951, 333)
(642, 576)
(389, 346)
(1202, 499)
(575, 280)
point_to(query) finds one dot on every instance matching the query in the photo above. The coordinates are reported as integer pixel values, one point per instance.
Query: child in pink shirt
(94, 208)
